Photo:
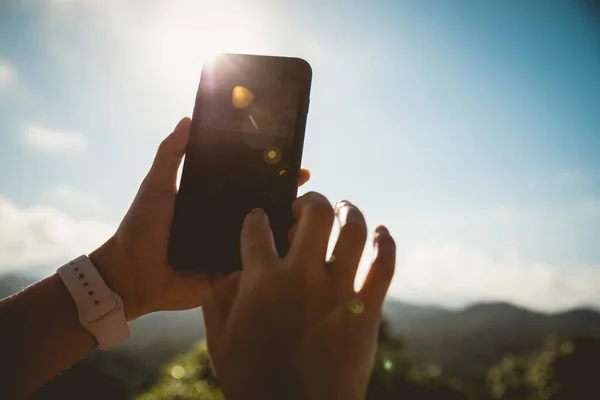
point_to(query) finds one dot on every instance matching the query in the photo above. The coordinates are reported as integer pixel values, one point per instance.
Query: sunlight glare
(180, 37)
(179, 172)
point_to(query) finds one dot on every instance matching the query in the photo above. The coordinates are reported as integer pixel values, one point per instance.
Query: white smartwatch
(100, 309)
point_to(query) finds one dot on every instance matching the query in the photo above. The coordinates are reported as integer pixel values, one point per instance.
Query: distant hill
(464, 343)
(12, 283)
(467, 342)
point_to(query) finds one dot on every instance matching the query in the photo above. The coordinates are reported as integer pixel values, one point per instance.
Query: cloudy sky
(470, 128)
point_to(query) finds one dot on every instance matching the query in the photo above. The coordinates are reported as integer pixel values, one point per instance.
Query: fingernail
(259, 212)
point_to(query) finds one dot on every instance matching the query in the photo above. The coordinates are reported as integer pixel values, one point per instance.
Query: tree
(190, 376)
(562, 370)
(395, 375)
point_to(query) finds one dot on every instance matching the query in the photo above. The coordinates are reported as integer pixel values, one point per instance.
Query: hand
(295, 328)
(133, 262)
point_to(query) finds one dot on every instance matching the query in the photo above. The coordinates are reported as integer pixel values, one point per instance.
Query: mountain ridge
(464, 342)
(12, 282)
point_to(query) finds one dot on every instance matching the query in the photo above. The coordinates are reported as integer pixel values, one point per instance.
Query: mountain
(405, 316)
(12, 283)
(464, 343)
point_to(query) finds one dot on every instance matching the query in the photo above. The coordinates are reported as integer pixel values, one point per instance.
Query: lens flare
(357, 306)
(177, 372)
(388, 365)
(241, 97)
(251, 118)
(272, 155)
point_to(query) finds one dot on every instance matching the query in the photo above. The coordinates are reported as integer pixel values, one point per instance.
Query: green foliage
(562, 370)
(188, 377)
(395, 376)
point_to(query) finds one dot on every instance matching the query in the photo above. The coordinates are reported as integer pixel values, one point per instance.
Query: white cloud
(448, 274)
(76, 200)
(8, 74)
(44, 236)
(454, 275)
(53, 140)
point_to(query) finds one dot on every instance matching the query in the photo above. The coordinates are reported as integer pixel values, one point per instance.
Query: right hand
(283, 328)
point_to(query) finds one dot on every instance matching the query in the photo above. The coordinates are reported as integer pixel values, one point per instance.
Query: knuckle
(322, 211)
(314, 204)
(319, 206)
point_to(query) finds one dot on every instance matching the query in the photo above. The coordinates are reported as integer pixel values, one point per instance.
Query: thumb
(163, 173)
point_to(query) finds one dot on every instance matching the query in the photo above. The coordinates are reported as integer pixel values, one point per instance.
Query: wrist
(106, 261)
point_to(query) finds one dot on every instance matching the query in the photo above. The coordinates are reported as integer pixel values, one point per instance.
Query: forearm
(40, 336)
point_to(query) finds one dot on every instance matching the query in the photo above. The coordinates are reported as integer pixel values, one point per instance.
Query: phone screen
(245, 135)
(243, 153)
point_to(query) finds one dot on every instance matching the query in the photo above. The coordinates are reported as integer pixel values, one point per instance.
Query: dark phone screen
(240, 156)
(245, 135)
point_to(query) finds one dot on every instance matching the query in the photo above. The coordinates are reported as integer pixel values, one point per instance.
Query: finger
(219, 300)
(303, 177)
(185, 291)
(257, 244)
(350, 244)
(231, 284)
(382, 268)
(314, 216)
(163, 173)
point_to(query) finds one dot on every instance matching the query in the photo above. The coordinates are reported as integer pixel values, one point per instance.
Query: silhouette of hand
(294, 328)
(133, 262)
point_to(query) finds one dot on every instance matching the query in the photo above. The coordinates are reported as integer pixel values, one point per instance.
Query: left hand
(133, 262)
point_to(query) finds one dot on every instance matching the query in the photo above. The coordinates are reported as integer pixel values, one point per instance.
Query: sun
(181, 37)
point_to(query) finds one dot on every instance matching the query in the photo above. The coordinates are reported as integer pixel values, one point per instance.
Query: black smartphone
(244, 152)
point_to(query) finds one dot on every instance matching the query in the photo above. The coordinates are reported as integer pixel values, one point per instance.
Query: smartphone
(244, 152)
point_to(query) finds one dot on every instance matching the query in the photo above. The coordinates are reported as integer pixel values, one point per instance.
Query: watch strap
(100, 310)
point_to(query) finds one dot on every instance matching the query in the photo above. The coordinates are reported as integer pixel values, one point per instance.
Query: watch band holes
(85, 283)
(97, 302)
(91, 292)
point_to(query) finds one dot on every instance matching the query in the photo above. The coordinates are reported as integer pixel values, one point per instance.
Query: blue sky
(472, 129)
